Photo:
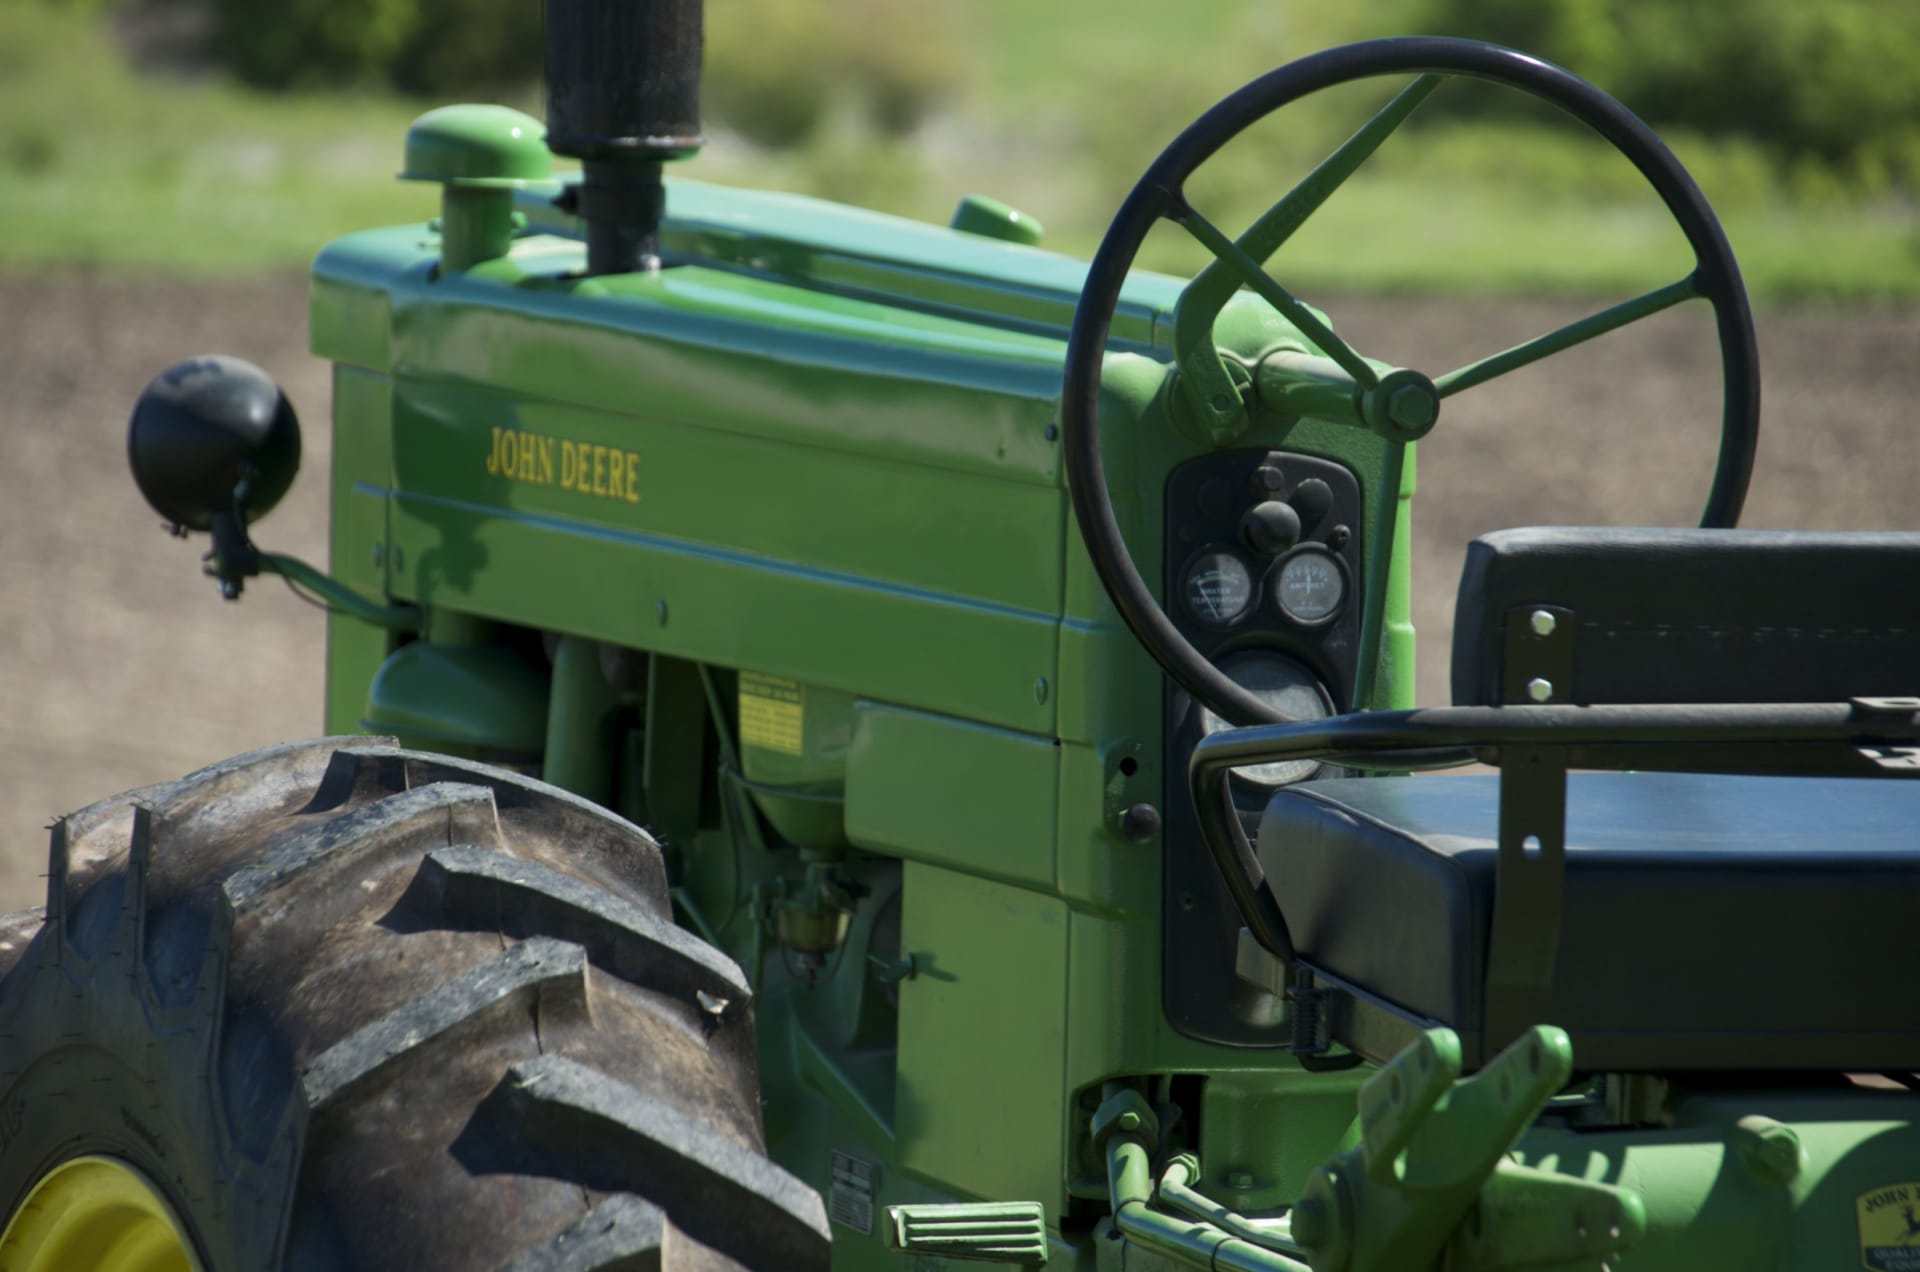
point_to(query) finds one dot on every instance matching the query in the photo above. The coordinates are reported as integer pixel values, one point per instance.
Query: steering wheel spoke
(1254, 275)
(1574, 333)
(1279, 222)
(1203, 298)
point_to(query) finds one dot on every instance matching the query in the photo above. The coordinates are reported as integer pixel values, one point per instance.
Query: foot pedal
(991, 1232)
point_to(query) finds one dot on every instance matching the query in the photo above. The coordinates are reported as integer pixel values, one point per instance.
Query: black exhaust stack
(623, 95)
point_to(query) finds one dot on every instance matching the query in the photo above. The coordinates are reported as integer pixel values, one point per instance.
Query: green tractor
(1010, 659)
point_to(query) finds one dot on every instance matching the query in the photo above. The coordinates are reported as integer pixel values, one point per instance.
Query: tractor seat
(1709, 921)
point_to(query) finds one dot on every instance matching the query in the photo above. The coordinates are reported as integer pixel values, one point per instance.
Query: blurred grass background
(232, 137)
(168, 167)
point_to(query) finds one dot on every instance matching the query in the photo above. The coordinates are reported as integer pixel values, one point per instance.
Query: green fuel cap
(485, 147)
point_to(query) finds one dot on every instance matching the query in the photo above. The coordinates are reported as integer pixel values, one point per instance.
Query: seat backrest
(1585, 615)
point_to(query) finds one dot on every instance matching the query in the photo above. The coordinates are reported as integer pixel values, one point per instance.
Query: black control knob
(1271, 527)
(1313, 500)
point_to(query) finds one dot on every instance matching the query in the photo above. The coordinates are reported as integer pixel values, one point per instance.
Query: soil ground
(120, 665)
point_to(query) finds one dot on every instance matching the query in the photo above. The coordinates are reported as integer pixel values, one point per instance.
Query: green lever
(1432, 1145)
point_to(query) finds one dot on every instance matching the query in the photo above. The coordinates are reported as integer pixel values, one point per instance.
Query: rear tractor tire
(338, 1005)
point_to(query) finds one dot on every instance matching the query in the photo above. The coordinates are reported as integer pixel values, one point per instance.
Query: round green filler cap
(483, 146)
(990, 218)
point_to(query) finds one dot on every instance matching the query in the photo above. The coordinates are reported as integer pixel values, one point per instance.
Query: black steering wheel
(1400, 405)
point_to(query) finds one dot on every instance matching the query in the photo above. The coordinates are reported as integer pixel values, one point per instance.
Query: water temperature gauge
(1218, 588)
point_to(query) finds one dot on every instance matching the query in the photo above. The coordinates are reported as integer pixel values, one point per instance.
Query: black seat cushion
(1665, 615)
(1709, 922)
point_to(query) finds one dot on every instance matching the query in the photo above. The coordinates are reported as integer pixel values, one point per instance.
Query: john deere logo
(1890, 1228)
(539, 460)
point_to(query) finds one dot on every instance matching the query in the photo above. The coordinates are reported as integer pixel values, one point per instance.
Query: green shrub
(45, 50)
(438, 48)
(1835, 83)
(472, 47)
(307, 42)
(775, 68)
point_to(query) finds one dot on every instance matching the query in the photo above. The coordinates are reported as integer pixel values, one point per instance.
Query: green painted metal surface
(357, 537)
(580, 731)
(893, 810)
(1719, 1193)
(483, 702)
(808, 476)
(984, 1019)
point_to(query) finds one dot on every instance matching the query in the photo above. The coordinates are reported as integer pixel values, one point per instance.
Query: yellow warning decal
(1890, 1228)
(772, 713)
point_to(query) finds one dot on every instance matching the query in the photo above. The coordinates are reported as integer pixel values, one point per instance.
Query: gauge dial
(1218, 589)
(1288, 688)
(1310, 586)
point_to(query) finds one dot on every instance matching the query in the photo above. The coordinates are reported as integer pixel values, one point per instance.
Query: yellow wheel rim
(97, 1214)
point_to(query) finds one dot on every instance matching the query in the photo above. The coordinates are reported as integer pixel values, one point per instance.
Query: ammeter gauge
(1310, 586)
(1218, 589)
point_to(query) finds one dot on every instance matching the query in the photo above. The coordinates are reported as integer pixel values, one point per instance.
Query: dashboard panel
(1263, 560)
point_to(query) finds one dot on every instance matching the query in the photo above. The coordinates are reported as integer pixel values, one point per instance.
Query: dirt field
(120, 665)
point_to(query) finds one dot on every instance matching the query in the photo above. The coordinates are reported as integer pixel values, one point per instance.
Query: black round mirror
(203, 426)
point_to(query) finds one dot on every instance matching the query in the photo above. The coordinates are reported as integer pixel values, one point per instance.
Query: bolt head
(1539, 689)
(1782, 1156)
(1542, 622)
(1772, 1149)
(1140, 823)
(1128, 1121)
